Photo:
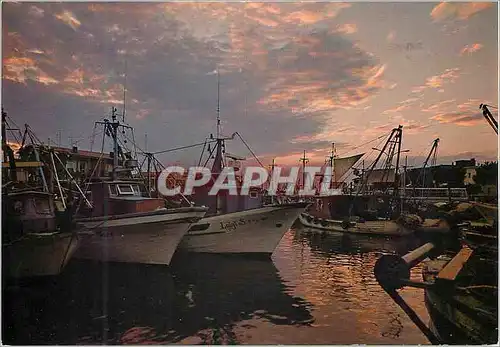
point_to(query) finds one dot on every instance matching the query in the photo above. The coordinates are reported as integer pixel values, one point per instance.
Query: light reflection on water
(316, 290)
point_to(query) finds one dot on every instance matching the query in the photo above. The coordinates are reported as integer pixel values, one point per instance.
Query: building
(81, 164)
(470, 173)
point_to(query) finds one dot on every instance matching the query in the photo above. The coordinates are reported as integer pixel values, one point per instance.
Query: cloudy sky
(294, 76)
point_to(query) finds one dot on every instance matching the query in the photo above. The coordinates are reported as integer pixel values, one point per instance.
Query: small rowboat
(379, 227)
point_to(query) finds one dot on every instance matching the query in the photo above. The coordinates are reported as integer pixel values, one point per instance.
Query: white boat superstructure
(254, 231)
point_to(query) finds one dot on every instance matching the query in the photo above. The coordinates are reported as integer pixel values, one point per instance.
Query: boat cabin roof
(138, 181)
(30, 193)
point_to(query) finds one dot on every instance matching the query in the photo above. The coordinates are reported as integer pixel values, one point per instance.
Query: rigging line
(184, 147)
(248, 147)
(356, 166)
(210, 156)
(202, 151)
(364, 144)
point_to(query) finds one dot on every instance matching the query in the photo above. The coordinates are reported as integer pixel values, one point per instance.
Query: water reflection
(201, 296)
(336, 276)
(318, 289)
(223, 290)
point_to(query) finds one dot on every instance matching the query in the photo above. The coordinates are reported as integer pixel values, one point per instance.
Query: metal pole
(57, 179)
(77, 186)
(37, 156)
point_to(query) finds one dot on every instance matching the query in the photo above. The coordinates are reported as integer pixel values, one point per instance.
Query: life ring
(345, 224)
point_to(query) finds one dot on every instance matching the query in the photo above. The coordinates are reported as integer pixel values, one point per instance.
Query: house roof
(81, 153)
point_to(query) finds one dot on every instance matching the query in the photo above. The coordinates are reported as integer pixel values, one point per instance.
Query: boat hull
(455, 325)
(384, 228)
(143, 239)
(256, 231)
(38, 255)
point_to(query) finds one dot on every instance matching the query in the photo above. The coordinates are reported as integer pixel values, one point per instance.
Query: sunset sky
(294, 76)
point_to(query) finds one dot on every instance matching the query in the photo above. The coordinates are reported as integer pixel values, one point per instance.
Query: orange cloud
(469, 49)
(347, 28)
(438, 81)
(455, 10)
(69, 19)
(22, 69)
(465, 114)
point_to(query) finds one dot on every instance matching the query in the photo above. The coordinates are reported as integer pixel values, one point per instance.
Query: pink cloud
(438, 81)
(455, 10)
(469, 49)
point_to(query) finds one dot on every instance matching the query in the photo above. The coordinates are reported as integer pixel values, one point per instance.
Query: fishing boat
(460, 281)
(354, 224)
(33, 244)
(379, 227)
(254, 231)
(122, 222)
(236, 224)
(37, 240)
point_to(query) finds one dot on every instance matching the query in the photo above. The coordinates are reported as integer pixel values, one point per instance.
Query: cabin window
(253, 195)
(42, 206)
(83, 166)
(125, 189)
(71, 166)
(112, 190)
(136, 189)
(18, 207)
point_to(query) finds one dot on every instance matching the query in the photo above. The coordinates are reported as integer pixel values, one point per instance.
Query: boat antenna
(332, 160)
(304, 160)
(124, 91)
(218, 103)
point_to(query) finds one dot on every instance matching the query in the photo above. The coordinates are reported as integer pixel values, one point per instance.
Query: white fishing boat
(237, 224)
(126, 224)
(254, 231)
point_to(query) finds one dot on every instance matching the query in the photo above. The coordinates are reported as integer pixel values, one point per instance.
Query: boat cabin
(27, 212)
(224, 202)
(120, 197)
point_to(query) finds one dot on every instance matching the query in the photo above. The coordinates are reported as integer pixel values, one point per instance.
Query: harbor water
(316, 289)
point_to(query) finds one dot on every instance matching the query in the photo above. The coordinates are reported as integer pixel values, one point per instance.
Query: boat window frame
(111, 192)
(136, 189)
(120, 192)
(18, 211)
(47, 211)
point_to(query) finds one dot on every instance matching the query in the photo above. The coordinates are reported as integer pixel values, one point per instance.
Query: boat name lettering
(234, 224)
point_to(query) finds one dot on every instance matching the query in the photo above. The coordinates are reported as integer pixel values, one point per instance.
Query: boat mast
(395, 135)
(304, 160)
(489, 117)
(272, 166)
(114, 135)
(4, 135)
(332, 165)
(399, 139)
(433, 153)
(220, 142)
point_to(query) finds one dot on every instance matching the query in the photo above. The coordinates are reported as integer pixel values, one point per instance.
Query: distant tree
(487, 173)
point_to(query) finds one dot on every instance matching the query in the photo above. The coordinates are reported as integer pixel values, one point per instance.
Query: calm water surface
(316, 290)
